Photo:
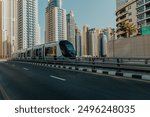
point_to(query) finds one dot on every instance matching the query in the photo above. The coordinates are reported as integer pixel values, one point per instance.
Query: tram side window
(28, 53)
(50, 51)
(37, 52)
(40, 53)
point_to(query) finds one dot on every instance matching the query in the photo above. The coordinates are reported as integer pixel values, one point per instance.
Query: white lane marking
(58, 78)
(26, 69)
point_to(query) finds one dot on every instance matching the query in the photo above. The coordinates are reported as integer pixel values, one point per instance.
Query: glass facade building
(143, 13)
(55, 3)
(27, 23)
(71, 28)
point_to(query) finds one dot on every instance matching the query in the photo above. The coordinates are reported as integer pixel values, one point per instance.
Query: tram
(54, 50)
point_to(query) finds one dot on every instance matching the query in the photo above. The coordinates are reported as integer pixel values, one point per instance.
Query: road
(21, 81)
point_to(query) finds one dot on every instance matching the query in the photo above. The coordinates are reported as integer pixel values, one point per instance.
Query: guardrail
(119, 64)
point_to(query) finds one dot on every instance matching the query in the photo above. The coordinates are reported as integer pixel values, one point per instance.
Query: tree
(128, 27)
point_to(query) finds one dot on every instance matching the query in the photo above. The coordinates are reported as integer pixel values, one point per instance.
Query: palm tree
(128, 27)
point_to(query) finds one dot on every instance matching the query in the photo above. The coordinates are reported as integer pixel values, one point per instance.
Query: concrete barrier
(135, 47)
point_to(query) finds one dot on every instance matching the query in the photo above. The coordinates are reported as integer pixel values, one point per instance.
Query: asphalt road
(20, 81)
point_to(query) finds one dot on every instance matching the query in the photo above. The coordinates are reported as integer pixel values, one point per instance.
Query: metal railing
(119, 64)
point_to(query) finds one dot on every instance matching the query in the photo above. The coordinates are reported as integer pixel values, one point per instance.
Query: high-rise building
(103, 44)
(109, 33)
(38, 35)
(71, 28)
(1, 47)
(143, 13)
(38, 29)
(94, 42)
(55, 3)
(55, 22)
(85, 41)
(11, 26)
(90, 41)
(126, 11)
(78, 42)
(105, 36)
(98, 30)
(120, 3)
(8, 27)
(27, 23)
(4, 28)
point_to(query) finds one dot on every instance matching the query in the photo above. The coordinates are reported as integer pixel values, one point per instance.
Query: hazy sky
(95, 13)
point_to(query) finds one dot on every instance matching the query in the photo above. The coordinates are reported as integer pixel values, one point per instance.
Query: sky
(94, 13)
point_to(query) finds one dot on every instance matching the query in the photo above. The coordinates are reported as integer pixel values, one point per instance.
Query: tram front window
(69, 47)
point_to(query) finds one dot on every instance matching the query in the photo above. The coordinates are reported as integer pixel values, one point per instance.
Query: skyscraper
(103, 44)
(11, 26)
(92, 42)
(85, 40)
(78, 41)
(93, 47)
(1, 29)
(38, 35)
(27, 23)
(109, 32)
(38, 29)
(55, 22)
(8, 27)
(4, 28)
(71, 28)
(55, 3)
